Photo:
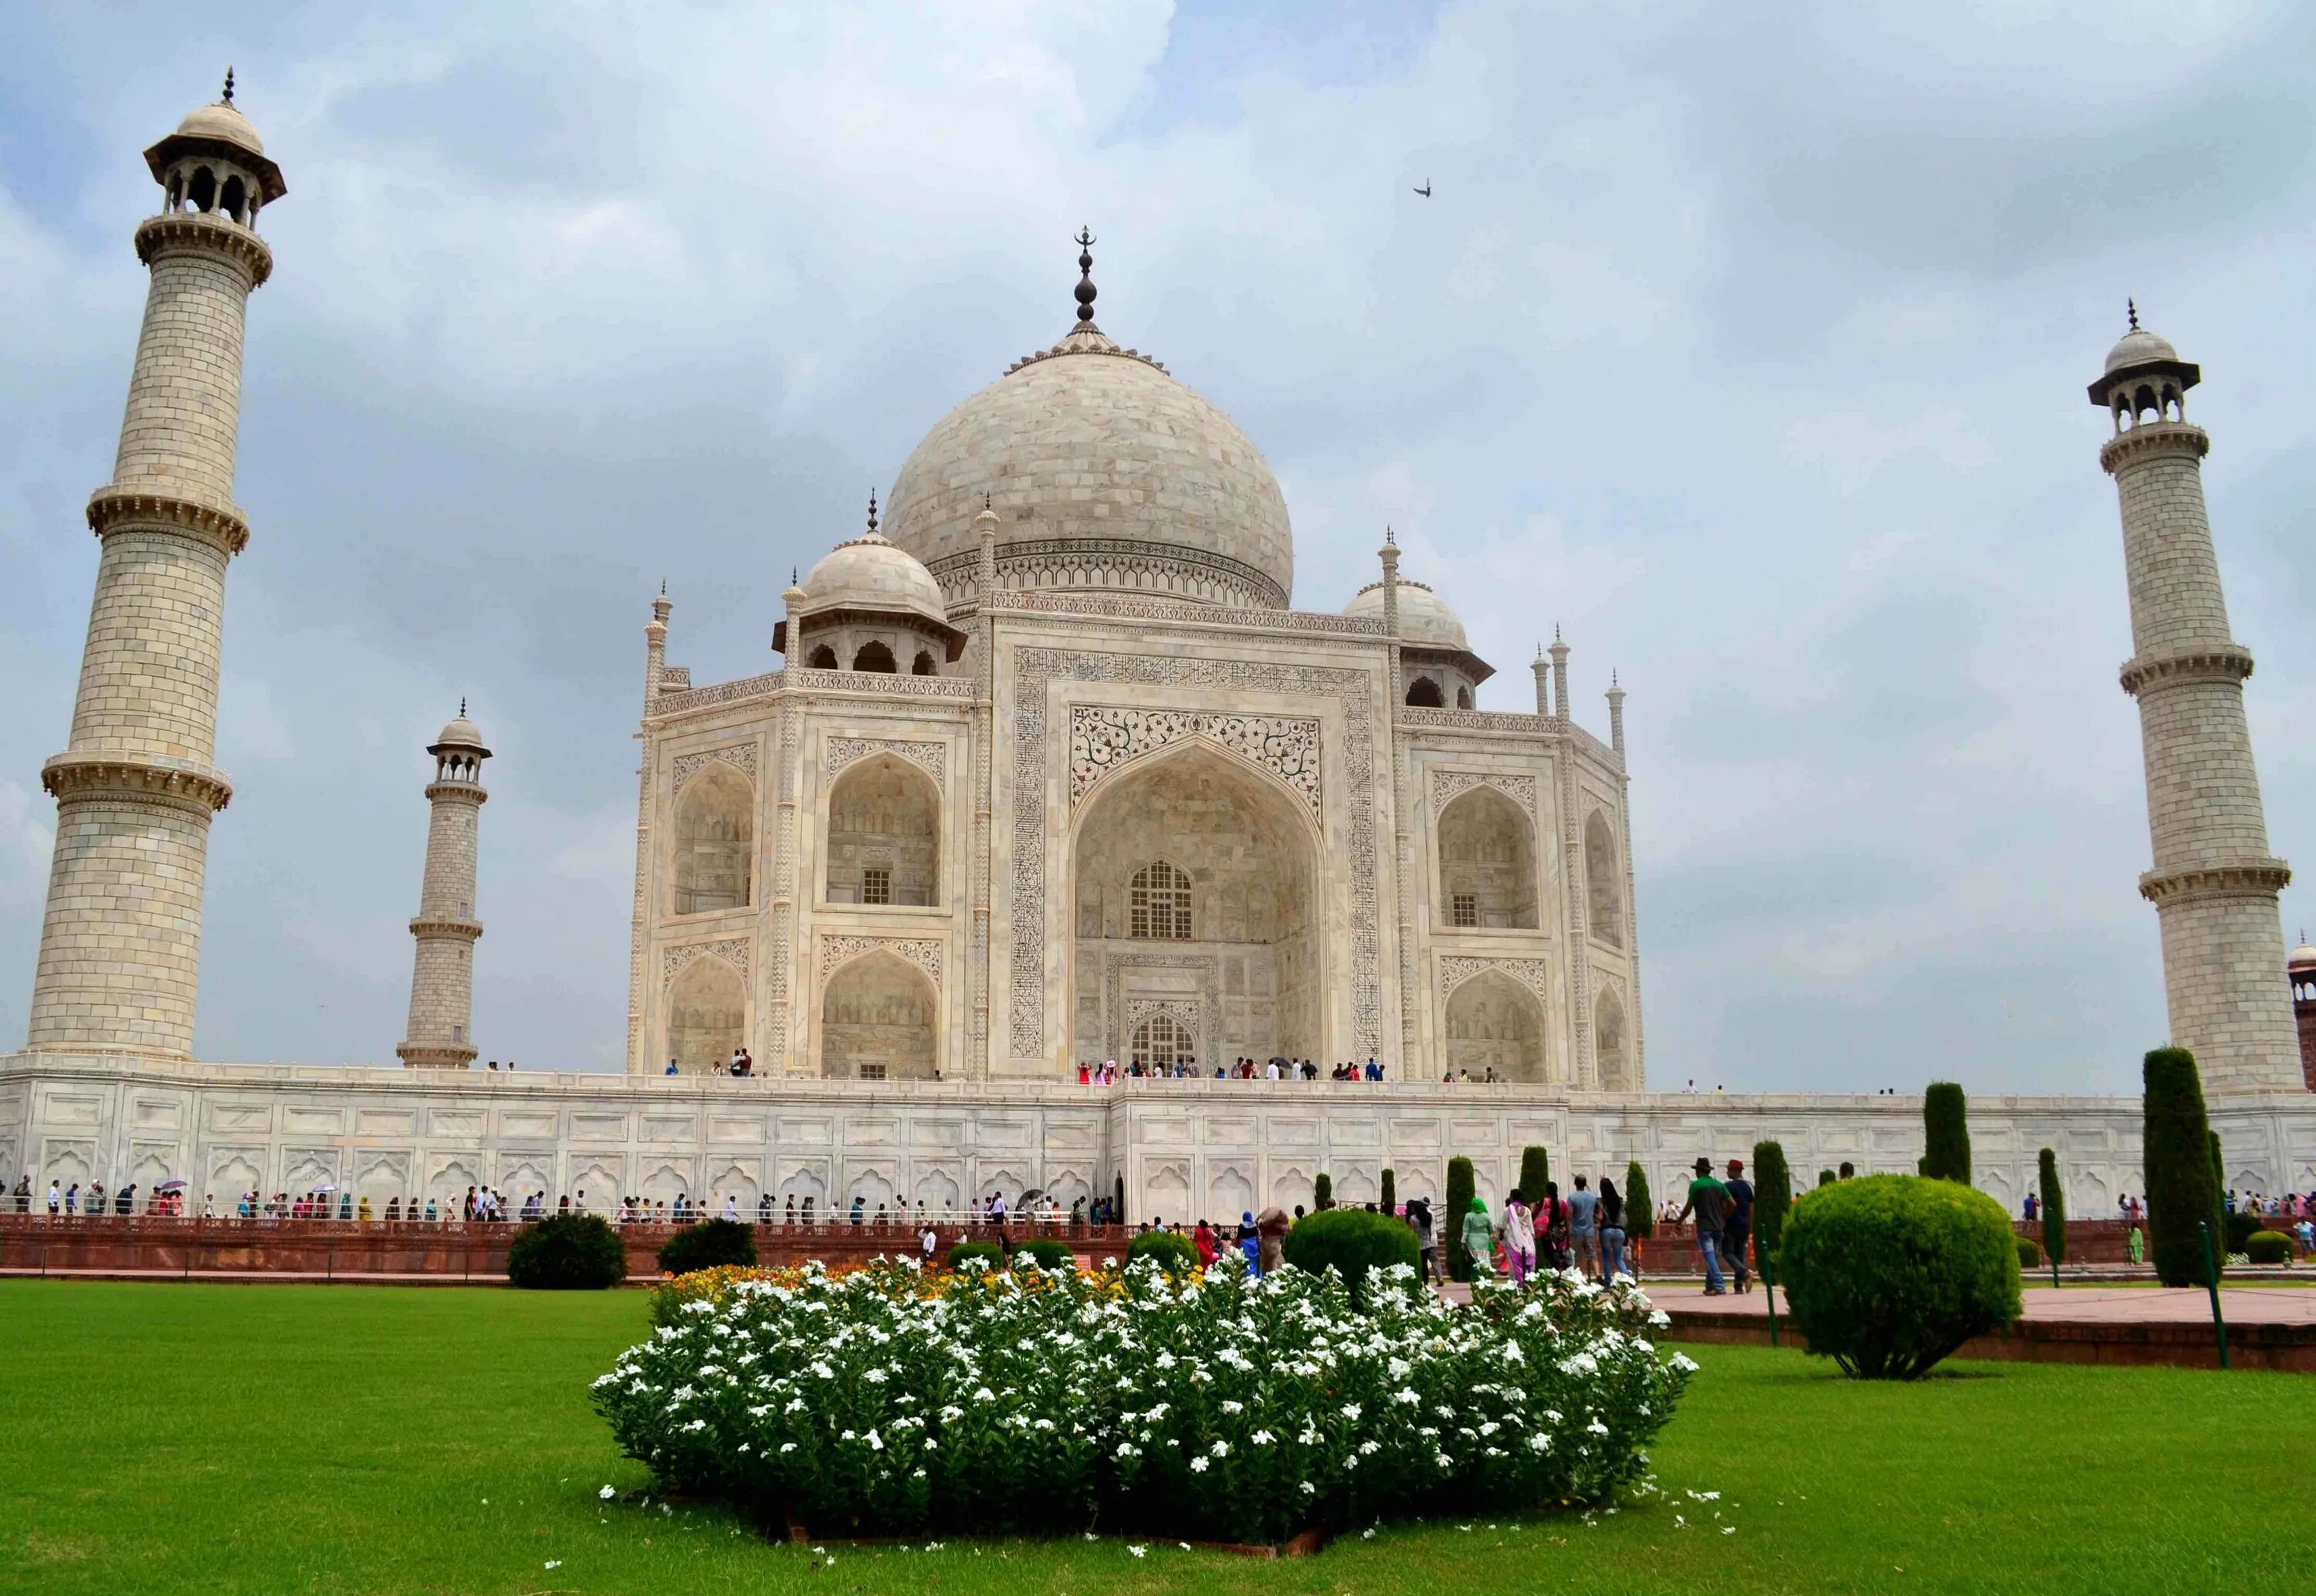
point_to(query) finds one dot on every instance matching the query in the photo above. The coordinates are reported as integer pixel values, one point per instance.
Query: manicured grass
(158, 1438)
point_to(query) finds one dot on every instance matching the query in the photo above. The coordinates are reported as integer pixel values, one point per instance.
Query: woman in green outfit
(1480, 1238)
(2138, 1246)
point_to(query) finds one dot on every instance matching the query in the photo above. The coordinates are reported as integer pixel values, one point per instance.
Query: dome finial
(228, 87)
(462, 706)
(872, 512)
(1085, 242)
(2131, 308)
(1390, 536)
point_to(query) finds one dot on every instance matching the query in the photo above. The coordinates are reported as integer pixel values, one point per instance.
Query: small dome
(1424, 618)
(2139, 347)
(224, 122)
(872, 572)
(461, 732)
(2303, 956)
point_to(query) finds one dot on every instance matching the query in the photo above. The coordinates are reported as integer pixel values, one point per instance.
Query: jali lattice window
(1161, 1042)
(1463, 909)
(876, 886)
(1160, 903)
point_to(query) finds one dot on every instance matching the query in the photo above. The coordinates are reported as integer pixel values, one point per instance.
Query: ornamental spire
(2131, 308)
(872, 512)
(1085, 291)
(228, 87)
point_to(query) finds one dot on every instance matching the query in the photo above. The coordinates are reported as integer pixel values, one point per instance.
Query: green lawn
(158, 1438)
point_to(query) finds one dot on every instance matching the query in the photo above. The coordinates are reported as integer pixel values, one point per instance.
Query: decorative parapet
(208, 233)
(2216, 662)
(1104, 737)
(134, 506)
(133, 779)
(1105, 605)
(2155, 440)
(461, 930)
(2237, 878)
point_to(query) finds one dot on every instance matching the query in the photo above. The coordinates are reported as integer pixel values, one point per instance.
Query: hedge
(568, 1252)
(2239, 1227)
(1536, 1169)
(1889, 1275)
(1640, 1208)
(1945, 1133)
(1351, 1241)
(2267, 1247)
(708, 1245)
(1825, 1177)
(1773, 1199)
(1052, 1256)
(2030, 1254)
(2177, 1150)
(1461, 1189)
(1390, 1203)
(1322, 1193)
(985, 1253)
(2055, 1207)
(1176, 1254)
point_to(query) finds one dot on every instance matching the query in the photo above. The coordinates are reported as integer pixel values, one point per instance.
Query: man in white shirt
(55, 1199)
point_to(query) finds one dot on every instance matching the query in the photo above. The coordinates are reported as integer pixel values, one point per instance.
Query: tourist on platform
(1708, 1200)
(731, 1208)
(787, 1210)
(1479, 1236)
(997, 1212)
(1584, 1229)
(765, 1209)
(124, 1202)
(928, 1241)
(24, 1194)
(55, 1199)
(363, 1215)
(1520, 1237)
(72, 1199)
(2135, 1245)
(859, 1209)
(1737, 1228)
(1611, 1218)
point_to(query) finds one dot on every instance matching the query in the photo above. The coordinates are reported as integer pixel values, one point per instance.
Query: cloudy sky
(1748, 343)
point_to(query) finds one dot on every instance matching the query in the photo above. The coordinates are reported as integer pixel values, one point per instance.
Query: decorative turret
(869, 605)
(136, 786)
(2214, 884)
(442, 981)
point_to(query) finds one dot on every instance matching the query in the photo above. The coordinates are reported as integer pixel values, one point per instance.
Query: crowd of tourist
(1278, 1068)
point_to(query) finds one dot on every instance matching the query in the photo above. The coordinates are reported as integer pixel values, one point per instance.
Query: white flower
(1263, 1438)
(1139, 1551)
(1222, 1449)
(1233, 1408)
(1197, 1466)
(1351, 1412)
(555, 1562)
(607, 1492)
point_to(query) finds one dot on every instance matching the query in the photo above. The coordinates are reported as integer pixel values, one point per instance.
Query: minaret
(1559, 676)
(442, 981)
(120, 947)
(2214, 884)
(1543, 684)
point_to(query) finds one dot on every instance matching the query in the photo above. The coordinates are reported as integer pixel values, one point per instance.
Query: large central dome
(1106, 473)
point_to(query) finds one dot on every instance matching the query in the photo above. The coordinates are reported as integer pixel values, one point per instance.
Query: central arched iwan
(1248, 850)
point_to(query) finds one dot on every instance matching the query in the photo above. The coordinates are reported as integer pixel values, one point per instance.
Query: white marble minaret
(442, 981)
(120, 945)
(2214, 884)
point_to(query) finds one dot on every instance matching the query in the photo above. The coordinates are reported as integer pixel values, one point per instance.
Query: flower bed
(887, 1402)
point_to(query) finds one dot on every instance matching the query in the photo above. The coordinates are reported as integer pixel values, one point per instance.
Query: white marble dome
(872, 572)
(2139, 347)
(1424, 618)
(1086, 451)
(461, 733)
(224, 122)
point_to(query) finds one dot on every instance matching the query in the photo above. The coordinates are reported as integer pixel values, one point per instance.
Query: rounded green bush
(1890, 1273)
(1054, 1257)
(568, 1252)
(2030, 1254)
(2240, 1228)
(1350, 1241)
(708, 1245)
(2268, 1246)
(966, 1252)
(1175, 1253)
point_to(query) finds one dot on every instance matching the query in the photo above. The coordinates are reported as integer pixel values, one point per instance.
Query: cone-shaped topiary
(1390, 1203)
(1461, 1190)
(2176, 1147)
(1535, 1169)
(1889, 1275)
(1322, 1193)
(1640, 1208)
(568, 1252)
(1773, 1199)
(1945, 1133)
(2055, 1208)
(708, 1245)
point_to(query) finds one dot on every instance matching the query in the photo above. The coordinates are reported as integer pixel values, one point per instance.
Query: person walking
(1708, 1200)
(1611, 1217)
(1270, 1227)
(1427, 1244)
(1479, 1237)
(2136, 1245)
(1737, 1229)
(1584, 1227)
(1519, 1239)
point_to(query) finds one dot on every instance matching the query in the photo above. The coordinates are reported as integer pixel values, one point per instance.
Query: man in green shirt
(1708, 1200)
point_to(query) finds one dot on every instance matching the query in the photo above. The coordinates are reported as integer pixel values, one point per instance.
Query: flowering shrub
(1216, 1406)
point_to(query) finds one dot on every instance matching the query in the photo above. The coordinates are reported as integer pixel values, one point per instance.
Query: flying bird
(1426, 189)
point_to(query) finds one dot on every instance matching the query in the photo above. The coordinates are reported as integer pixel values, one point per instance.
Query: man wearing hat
(1708, 1200)
(1737, 1228)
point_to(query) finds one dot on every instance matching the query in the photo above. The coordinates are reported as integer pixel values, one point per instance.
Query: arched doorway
(1495, 1023)
(883, 834)
(1487, 862)
(715, 840)
(706, 1015)
(878, 1018)
(1194, 880)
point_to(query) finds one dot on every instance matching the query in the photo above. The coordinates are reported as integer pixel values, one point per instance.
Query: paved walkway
(2089, 1304)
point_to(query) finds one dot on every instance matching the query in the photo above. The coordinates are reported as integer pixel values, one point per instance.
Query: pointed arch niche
(883, 834)
(1604, 889)
(1611, 1050)
(1194, 873)
(1494, 1023)
(1487, 863)
(706, 1015)
(715, 840)
(878, 1019)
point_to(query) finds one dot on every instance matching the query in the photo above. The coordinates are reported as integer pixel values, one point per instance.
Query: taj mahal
(1054, 772)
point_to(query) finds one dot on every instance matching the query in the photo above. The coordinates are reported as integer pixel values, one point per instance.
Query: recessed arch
(1603, 882)
(875, 656)
(1487, 862)
(1463, 697)
(202, 191)
(1249, 846)
(1163, 1041)
(925, 664)
(715, 840)
(878, 1019)
(1496, 1024)
(1612, 1053)
(824, 658)
(230, 201)
(706, 1015)
(1423, 693)
(883, 834)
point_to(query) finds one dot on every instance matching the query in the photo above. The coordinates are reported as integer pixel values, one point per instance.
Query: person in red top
(1202, 1238)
